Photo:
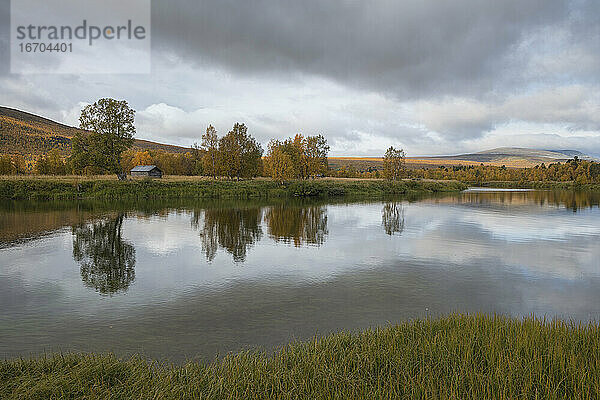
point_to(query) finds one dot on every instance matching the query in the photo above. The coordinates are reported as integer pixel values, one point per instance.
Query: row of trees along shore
(195, 163)
(575, 170)
(106, 146)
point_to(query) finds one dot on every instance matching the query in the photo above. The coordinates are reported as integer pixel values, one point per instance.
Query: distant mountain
(573, 153)
(526, 152)
(516, 156)
(31, 135)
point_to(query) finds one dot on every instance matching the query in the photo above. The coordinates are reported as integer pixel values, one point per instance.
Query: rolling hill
(512, 157)
(31, 135)
(519, 155)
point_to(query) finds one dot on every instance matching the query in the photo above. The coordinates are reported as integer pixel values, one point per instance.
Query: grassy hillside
(511, 157)
(455, 357)
(31, 135)
(376, 163)
(516, 156)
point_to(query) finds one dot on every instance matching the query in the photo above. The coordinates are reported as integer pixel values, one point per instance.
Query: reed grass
(541, 185)
(453, 357)
(111, 189)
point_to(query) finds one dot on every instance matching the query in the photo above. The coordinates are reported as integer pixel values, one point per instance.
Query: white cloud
(540, 90)
(71, 116)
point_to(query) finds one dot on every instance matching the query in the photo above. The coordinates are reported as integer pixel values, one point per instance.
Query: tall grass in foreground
(458, 357)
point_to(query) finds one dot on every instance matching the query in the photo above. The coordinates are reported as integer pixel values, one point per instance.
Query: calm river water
(179, 281)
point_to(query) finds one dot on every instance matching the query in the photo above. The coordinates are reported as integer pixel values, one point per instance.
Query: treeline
(189, 163)
(54, 163)
(236, 155)
(576, 170)
(393, 168)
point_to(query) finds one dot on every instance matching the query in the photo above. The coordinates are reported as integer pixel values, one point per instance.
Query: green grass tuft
(454, 357)
(64, 189)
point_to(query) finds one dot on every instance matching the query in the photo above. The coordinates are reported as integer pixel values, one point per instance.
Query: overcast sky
(433, 77)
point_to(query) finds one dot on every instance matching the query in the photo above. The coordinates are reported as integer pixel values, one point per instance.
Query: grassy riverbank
(453, 357)
(541, 185)
(66, 188)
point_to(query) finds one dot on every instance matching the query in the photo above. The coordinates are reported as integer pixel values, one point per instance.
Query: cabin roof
(144, 168)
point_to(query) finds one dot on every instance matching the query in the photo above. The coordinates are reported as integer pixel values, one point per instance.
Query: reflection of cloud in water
(450, 256)
(522, 228)
(233, 230)
(469, 236)
(444, 233)
(174, 233)
(435, 236)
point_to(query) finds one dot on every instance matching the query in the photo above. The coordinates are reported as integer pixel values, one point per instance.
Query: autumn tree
(196, 157)
(296, 149)
(278, 164)
(240, 152)
(18, 164)
(142, 158)
(393, 164)
(298, 157)
(210, 145)
(580, 171)
(173, 163)
(126, 159)
(51, 164)
(230, 151)
(42, 166)
(316, 153)
(5, 165)
(111, 129)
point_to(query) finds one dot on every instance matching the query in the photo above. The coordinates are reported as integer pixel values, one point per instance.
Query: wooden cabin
(149, 171)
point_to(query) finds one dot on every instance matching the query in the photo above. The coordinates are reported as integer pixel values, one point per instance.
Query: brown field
(436, 162)
(362, 163)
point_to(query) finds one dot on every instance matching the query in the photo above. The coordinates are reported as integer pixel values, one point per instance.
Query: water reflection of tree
(297, 224)
(392, 218)
(107, 261)
(569, 199)
(234, 229)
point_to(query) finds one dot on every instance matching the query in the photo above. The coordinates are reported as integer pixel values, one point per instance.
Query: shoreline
(75, 188)
(107, 187)
(455, 356)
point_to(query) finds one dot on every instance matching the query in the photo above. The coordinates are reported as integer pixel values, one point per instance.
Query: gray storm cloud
(409, 48)
(437, 77)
